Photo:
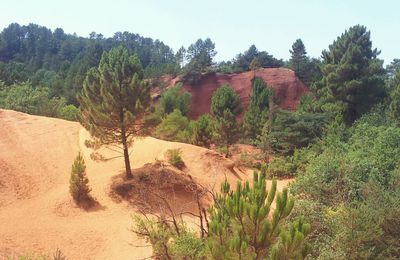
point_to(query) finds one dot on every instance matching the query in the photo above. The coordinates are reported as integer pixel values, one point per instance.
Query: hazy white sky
(233, 25)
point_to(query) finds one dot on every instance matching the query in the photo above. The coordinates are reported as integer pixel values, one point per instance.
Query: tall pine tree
(114, 96)
(257, 112)
(353, 76)
(225, 106)
(298, 60)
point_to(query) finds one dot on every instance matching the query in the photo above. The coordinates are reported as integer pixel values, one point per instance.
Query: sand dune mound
(154, 185)
(34, 153)
(36, 211)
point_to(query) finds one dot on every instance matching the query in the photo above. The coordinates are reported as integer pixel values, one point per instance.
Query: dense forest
(341, 145)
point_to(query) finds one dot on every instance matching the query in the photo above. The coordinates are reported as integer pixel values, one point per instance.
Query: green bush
(174, 157)
(203, 131)
(249, 160)
(70, 112)
(174, 127)
(175, 98)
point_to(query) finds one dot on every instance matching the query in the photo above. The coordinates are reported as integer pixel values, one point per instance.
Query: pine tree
(203, 131)
(227, 128)
(225, 106)
(353, 76)
(298, 60)
(257, 112)
(78, 182)
(243, 226)
(114, 96)
(225, 98)
(395, 97)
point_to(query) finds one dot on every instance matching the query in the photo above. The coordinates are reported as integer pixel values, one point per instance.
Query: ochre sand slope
(37, 214)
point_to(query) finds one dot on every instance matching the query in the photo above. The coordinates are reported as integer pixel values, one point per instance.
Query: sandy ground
(37, 214)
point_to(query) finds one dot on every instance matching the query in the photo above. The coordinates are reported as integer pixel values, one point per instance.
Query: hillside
(288, 88)
(36, 212)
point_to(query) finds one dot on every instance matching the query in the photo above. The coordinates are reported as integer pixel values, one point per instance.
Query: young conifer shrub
(79, 183)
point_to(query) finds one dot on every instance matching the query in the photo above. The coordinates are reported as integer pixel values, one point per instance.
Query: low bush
(174, 157)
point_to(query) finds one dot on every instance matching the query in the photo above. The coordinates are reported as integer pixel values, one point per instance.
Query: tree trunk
(125, 147)
(126, 157)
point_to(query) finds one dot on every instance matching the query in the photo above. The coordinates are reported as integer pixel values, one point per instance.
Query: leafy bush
(175, 98)
(174, 127)
(355, 179)
(250, 160)
(37, 101)
(70, 112)
(174, 158)
(203, 131)
(290, 166)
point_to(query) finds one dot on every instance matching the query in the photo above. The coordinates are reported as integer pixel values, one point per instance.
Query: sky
(233, 25)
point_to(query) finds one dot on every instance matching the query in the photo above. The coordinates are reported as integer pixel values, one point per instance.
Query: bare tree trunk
(125, 147)
(126, 157)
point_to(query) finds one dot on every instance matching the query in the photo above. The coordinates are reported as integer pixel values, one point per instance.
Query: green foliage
(174, 127)
(249, 160)
(295, 130)
(226, 130)
(114, 96)
(292, 242)
(174, 157)
(290, 166)
(257, 113)
(70, 112)
(169, 241)
(37, 101)
(203, 131)
(355, 181)
(225, 98)
(394, 105)
(240, 226)
(225, 106)
(188, 246)
(252, 58)
(200, 59)
(353, 77)
(298, 58)
(175, 98)
(60, 61)
(78, 182)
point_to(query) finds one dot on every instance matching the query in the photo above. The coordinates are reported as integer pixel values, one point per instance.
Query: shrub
(174, 158)
(69, 112)
(79, 183)
(203, 131)
(174, 127)
(250, 160)
(175, 98)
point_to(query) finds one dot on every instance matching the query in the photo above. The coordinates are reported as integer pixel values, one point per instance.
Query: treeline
(58, 62)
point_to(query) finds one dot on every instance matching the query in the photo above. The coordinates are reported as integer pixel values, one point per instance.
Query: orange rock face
(287, 87)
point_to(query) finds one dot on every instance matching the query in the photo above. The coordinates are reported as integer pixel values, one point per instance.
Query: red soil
(288, 88)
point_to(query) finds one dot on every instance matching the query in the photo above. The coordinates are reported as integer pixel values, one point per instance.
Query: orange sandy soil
(37, 214)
